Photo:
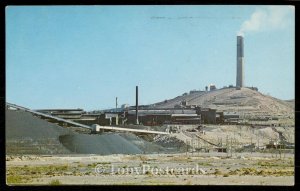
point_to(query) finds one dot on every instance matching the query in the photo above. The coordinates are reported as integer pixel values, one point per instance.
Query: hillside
(245, 101)
(291, 102)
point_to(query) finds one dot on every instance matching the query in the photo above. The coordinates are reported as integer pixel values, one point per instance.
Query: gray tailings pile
(110, 143)
(28, 134)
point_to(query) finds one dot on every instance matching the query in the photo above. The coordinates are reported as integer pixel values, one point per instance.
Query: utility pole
(251, 145)
(227, 146)
(186, 146)
(231, 146)
(257, 141)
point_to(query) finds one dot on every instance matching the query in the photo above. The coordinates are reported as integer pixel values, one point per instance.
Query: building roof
(162, 112)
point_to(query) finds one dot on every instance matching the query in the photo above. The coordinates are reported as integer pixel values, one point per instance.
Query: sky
(86, 56)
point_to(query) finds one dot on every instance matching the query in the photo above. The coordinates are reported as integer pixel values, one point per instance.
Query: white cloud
(267, 18)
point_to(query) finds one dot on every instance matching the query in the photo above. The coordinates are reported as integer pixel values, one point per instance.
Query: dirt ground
(153, 169)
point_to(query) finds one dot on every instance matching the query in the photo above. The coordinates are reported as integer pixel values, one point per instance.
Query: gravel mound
(145, 143)
(105, 144)
(28, 134)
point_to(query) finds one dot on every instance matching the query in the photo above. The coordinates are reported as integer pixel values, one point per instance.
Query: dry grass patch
(263, 172)
(181, 159)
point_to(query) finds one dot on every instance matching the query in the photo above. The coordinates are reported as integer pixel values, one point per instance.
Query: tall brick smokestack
(240, 62)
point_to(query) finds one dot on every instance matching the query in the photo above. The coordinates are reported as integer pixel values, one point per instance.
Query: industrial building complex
(152, 115)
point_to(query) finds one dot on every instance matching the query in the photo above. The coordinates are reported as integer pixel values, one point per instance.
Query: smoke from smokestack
(267, 18)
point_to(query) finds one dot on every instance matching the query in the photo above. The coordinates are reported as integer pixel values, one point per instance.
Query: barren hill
(245, 101)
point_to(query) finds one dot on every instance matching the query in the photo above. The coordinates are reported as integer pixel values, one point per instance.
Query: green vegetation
(217, 172)
(93, 165)
(263, 172)
(144, 159)
(26, 174)
(182, 159)
(15, 179)
(225, 175)
(55, 182)
(149, 173)
(80, 165)
(279, 164)
(204, 164)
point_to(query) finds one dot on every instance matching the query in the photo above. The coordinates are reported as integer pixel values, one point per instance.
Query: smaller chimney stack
(136, 104)
(116, 103)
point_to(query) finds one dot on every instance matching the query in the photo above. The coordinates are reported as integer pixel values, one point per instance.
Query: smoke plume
(267, 18)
